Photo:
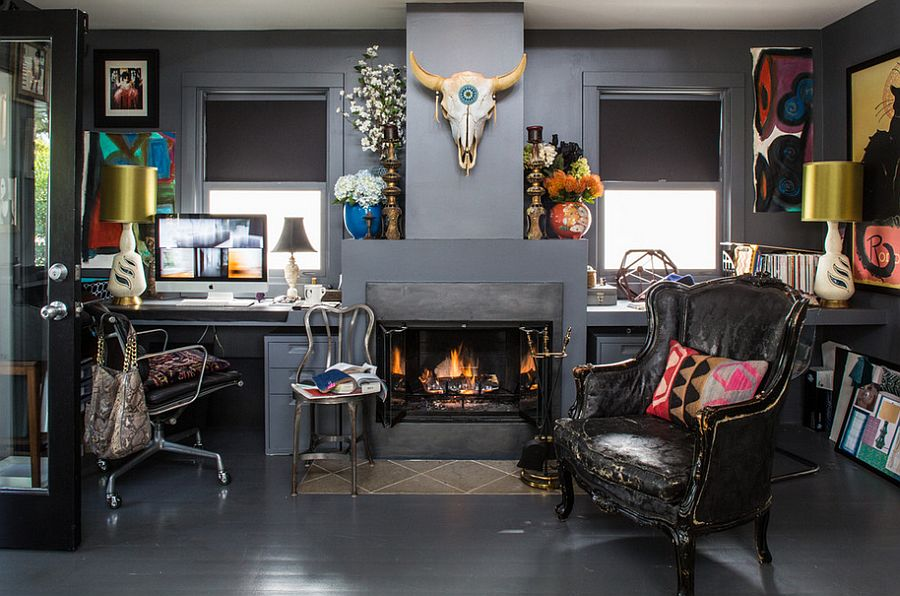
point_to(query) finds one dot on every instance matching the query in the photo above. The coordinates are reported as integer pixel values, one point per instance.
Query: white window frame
(729, 87)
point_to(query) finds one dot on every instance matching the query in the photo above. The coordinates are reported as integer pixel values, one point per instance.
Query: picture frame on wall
(873, 138)
(32, 73)
(868, 400)
(126, 88)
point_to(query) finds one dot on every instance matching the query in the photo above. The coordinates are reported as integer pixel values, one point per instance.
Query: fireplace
(474, 371)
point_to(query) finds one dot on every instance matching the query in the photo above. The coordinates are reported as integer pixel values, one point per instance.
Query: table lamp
(293, 239)
(832, 192)
(127, 196)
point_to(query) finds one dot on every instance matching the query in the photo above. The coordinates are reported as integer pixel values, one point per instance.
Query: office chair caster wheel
(113, 501)
(102, 465)
(224, 478)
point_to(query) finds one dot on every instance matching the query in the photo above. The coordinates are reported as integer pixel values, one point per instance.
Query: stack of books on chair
(341, 379)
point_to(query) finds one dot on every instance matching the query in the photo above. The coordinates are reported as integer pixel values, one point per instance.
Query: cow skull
(468, 101)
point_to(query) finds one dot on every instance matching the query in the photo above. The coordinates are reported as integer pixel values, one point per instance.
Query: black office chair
(166, 403)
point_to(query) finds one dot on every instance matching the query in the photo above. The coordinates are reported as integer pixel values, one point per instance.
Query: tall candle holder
(536, 210)
(392, 211)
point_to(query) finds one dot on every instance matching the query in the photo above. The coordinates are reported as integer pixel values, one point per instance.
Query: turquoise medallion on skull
(468, 94)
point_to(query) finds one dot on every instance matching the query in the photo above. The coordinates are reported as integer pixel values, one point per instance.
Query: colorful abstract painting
(783, 126)
(867, 412)
(100, 240)
(876, 254)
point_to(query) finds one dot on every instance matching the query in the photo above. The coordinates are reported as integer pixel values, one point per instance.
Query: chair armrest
(617, 389)
(185, 349)
(733, 460)
(149, 331)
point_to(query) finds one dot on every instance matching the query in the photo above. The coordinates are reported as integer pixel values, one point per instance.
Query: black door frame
(52, 519)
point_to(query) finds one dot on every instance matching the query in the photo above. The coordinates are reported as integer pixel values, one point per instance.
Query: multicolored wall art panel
(782, 119)
(100, 240)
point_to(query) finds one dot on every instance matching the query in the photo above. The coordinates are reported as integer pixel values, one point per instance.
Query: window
(265, 154)
(661, 163)
(670, 149)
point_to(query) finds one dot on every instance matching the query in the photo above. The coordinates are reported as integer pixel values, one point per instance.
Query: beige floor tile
(422, 465)
(382, 474)
(465, 475)
(512, 485)
(419, 485)
(504, 465)
(332, 465)
(328, 485)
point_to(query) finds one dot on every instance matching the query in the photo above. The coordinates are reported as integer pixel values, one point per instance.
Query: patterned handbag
(104, 384)
(130, 421)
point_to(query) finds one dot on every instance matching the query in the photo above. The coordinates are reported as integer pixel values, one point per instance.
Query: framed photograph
(126, 88)
(868, 412)
(32, 80)
(873, 138)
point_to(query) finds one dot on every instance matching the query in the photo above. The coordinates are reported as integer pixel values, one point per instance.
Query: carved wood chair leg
(685, 548)
(762, 545)
(568, 493)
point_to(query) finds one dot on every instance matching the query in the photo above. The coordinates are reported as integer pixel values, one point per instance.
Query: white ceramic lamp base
(292, 276)
(126, 276)
(834, 281)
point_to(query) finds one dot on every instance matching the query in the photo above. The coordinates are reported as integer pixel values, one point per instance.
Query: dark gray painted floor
(180, 533)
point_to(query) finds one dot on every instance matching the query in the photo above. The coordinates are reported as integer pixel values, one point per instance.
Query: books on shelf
(341, 379)
(795, 267)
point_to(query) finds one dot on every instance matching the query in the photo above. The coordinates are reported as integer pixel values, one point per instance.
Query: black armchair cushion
(643, 453)
(692, 381)
(177, 367)
(159, 397)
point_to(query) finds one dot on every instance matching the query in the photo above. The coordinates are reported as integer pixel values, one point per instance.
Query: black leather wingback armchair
(695, 479)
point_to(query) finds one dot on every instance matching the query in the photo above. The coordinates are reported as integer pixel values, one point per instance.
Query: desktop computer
(217, 254)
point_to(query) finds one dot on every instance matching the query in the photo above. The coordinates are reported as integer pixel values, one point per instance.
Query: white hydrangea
(362, 188)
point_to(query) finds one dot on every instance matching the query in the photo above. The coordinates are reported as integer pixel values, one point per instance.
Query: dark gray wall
(557, 60)
(551, 86)
(867, 33)
(445, 201)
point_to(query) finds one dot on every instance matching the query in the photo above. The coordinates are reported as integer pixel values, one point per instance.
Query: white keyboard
(205, 302)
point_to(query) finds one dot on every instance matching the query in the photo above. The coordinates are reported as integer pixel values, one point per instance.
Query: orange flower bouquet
(575, 185)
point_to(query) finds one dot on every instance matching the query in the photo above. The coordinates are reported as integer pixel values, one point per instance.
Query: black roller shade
(265, 141)
(654, 139)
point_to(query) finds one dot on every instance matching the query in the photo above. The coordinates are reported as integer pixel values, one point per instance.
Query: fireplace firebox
(458, 372)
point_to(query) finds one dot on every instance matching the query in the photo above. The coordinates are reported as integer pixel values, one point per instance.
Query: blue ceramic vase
(356, 224)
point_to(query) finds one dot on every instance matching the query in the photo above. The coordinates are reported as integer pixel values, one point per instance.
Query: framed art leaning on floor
(868, 398)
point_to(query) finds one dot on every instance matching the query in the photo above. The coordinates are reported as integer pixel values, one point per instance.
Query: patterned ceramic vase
(354, 220)
(570, 220)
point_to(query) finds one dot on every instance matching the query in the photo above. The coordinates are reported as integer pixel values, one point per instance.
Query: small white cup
(313, 293)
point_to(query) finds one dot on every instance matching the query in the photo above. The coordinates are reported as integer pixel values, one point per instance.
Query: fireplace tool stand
(538, 462)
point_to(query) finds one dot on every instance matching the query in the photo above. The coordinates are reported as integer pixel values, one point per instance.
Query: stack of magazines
(341, 379)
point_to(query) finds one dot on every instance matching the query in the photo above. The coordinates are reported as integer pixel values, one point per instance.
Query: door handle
(55, 311)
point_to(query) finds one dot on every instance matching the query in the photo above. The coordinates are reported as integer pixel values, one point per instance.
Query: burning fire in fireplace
(458, 374)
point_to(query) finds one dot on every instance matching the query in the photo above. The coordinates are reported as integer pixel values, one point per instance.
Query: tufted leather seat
(642, 453)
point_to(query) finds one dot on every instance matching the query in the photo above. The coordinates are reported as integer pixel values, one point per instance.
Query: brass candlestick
(536, 210)
(392, 211)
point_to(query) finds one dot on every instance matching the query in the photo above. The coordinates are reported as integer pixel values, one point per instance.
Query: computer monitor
(217, 254)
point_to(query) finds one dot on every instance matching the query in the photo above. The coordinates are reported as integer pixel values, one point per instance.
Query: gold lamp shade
(832, 191)
(128, 194)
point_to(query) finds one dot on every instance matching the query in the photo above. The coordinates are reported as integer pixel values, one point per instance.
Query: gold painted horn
(432, 81)
(504, 82)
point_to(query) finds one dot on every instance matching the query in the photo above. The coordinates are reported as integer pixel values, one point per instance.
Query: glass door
(40, 121)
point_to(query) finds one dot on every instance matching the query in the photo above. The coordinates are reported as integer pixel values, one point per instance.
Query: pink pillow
(693, 380)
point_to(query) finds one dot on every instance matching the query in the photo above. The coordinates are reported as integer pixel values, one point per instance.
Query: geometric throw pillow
(700, 380)
(180, 366)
